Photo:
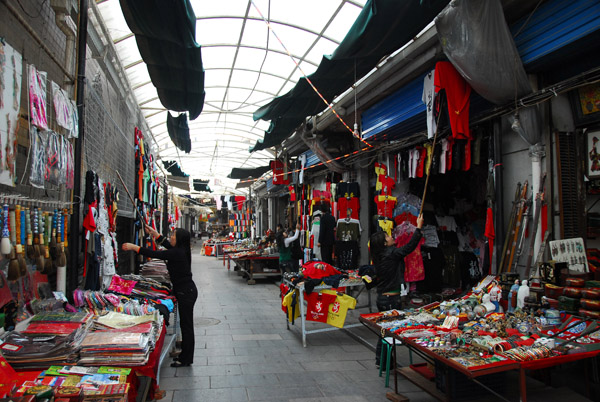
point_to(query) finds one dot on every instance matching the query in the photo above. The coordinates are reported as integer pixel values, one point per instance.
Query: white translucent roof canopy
(245, 65)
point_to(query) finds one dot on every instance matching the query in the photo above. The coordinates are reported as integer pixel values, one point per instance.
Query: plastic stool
(386, 347)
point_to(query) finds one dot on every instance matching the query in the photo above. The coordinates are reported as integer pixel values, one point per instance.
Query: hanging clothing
(346, 253)
(414, 270)
(385, 205)
(350, 203)
(428, 98)
(348, 229)
(344, 190)
(387, 184)
(386, 225)
(458, 93)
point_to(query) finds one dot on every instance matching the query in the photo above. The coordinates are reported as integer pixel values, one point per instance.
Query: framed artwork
(571, 251)
(593, 154)
(585, 102)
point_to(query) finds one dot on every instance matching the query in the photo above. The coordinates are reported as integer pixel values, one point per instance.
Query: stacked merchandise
(49, 338)
(75, 383)
(25, 351)
(57, 323)
(155, 270)
(121, 340)
(98, 301)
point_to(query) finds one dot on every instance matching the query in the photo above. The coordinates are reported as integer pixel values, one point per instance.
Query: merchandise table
(218, 247)
(143, 380)
(227, 256)
(347, 283)
(253, 266)
(471, 373)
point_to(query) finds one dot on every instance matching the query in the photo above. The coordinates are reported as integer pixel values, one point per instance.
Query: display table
(347, 283)
(474, 373)
(257, 266)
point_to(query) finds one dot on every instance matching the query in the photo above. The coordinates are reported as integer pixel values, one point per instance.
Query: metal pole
(74, 232)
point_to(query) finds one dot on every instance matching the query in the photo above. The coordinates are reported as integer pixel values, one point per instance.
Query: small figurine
(522, 294)
(495, 295)
(487, 304)
(512, 296)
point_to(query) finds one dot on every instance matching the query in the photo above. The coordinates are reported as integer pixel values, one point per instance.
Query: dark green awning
(245, 173)
(179, 132)
(174, 168)
(165, 33)
(382, 27)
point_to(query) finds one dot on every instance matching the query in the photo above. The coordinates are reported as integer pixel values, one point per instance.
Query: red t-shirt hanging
(351, 203)
(422, 159)
(292, 193)
(239, 200)
(458, 92)
(387, 184)
(385, 205)
(279, 176)
(318, 306)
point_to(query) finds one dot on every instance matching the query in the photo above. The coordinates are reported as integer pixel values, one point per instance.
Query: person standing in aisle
(327, 235)
(285, 250)
(389, 270)
(178, 255)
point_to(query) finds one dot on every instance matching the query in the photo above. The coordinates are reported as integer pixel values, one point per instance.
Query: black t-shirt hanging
(351, 189)
(433, 263)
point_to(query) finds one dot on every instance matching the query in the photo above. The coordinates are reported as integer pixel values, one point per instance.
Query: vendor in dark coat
(389, 267)
(179, 264)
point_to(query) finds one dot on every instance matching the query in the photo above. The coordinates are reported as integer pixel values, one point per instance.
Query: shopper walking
(179, 264)
(327, 235)
(284, 243)
(389, 270)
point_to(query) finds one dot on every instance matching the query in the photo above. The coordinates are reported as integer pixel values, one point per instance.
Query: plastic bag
(477, 41)
(39, 140)
(53, 155)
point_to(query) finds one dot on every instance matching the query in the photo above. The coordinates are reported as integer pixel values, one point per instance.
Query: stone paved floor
(249, 355)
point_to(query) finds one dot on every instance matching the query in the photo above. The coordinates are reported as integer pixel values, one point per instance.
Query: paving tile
(257, 337)
(311, 378)
(224, 351)
(243, 381)
(331, 366)
(271, 368)
(211, 395)
(180, 383)
(282, 393)
(205, 371)
(345, 398)
(247, 359)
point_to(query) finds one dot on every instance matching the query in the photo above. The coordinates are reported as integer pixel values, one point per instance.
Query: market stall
(468, 337)
(321, 293)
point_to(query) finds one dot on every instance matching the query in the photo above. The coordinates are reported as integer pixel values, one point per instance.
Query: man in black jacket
(327, 235)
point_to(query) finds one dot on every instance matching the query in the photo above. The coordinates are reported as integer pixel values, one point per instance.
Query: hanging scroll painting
(10, 103)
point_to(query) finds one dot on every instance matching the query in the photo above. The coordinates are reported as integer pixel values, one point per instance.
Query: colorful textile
(458, 93)
(339, 308)
(318, 306)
